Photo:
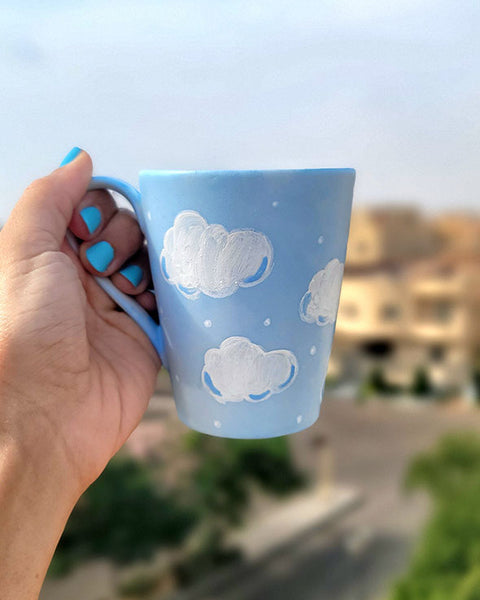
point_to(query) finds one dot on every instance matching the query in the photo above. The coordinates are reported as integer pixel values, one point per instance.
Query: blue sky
(391, 89)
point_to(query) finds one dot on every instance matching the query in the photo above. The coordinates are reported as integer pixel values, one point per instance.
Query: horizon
(423, 212)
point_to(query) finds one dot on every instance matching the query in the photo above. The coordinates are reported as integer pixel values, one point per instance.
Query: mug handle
(129, 305)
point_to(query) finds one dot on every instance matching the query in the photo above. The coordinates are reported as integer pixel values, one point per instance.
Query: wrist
(34, 507)
(38, 472)
(33, 458)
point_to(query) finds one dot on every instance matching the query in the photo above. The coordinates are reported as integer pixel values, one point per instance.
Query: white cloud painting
(201, 258)
(241, 370)
(320, 303)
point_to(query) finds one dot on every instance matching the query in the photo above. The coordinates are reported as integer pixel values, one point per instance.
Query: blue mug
(247, 269)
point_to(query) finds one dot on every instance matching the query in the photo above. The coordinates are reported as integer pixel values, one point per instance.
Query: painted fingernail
(91, 217)
(74, 152)
(100, 255)
(133, 273)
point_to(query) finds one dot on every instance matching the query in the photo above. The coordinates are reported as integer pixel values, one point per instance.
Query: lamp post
(323, 464)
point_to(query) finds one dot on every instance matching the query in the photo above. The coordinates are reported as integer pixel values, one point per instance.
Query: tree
(226, 468)
(127, 515)
(124, 516)
(376, 383)
(219, 486)
(476, 376)
(445, 565)
(421, 385)
(469, 589)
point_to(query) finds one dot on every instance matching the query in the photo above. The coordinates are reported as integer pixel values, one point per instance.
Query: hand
(76, 374)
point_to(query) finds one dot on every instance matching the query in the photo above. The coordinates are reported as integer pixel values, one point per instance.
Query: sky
(390, 89)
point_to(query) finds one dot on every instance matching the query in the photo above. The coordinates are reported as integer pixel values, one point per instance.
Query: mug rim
(168, 172)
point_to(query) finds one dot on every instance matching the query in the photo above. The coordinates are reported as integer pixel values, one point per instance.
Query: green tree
(421, 385)
(376, 383)
(125, 515)
(476, 376)
(469, 588)
(219, 486)
(445, 564)
(225, 469)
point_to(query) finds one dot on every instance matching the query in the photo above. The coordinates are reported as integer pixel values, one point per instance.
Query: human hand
(76, 374)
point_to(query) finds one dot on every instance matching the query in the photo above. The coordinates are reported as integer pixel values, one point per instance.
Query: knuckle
(127, 215)
(101, 198)
(127, 222)
(38, 187)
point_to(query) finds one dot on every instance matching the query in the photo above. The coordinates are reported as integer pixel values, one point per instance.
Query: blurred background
(379, 499)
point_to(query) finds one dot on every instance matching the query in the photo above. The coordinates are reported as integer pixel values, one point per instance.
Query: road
(357, 558)
(354, 559)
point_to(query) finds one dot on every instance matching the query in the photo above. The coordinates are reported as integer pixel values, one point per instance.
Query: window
(437, 354)
(390, 312)
(378, 348)
(362, 247)
(437, 311)
(443, 311)
(349, 310)
(446, 271)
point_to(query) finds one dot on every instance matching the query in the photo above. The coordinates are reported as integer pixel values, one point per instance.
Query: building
(410, 299)
(458, 233)
(388, 235)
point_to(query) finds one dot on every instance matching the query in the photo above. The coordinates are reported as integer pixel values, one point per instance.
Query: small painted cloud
(202, 258)
(241, 370)
(320, 303)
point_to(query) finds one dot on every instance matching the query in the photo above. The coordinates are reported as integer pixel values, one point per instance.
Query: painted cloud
(241, 370)
(320, 303)
(202, 258)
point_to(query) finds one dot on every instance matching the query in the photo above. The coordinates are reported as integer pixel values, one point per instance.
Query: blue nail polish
(91, 217)
(74, 152)
(133, 273)
(100, 255)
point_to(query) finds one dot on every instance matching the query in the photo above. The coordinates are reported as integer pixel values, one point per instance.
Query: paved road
(357, 558)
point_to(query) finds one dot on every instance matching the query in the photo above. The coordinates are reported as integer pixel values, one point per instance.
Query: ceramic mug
(247, 269)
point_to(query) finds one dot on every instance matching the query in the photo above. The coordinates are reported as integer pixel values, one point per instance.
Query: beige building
(407, 301)
(458, 233)
(388, 235)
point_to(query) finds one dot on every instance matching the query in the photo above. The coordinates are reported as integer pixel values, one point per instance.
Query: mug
(247, 269)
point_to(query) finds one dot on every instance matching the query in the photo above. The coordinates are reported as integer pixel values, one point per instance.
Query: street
(357, 558)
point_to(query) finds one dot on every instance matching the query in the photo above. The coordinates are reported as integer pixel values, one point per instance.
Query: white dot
(313, 350)
(149, 215)
(217, 424)
(275, 203)
(207, 323)
(267, 322)
(320, 239)
(299, 419)
(177, 378)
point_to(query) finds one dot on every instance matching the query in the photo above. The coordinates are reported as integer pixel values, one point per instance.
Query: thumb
(40, 218)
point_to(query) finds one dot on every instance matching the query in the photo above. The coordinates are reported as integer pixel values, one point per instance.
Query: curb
(216, 582)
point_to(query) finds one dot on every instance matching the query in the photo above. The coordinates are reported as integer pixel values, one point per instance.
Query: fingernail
(74, 152)
(133, 273)
(91, 217)
(100, 255)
